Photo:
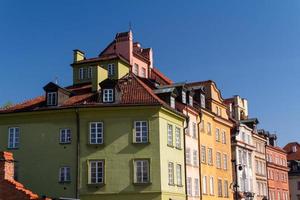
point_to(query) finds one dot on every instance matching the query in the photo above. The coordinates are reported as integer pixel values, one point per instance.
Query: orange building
(277, 170)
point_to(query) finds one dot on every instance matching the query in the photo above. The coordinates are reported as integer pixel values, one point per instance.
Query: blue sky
(250, 48)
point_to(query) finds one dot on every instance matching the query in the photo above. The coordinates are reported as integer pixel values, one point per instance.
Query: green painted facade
(40, 154)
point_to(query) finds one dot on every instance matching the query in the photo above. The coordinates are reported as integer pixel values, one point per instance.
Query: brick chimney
(6, 166)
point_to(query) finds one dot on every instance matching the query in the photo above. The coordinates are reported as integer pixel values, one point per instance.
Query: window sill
(64, 143)
(170, 145)
(13, 148)
(64, 182)
(180, 185)
(141, 143)
(171, 184)
(142, 184)
(178, 148)
(96, 185)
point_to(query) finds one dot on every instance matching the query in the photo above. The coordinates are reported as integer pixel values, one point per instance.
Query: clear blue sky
(250, 48)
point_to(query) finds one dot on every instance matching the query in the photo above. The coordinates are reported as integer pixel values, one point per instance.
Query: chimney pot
(78, 55)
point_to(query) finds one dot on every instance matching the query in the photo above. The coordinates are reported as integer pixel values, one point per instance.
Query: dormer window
(108, 95)
(202, 99)
(183, 94)
(143, 73)
(111, 69)
(52, 98)
(81, 73)
(294, 149)
(191, 100)
(90, 72)
(136, 69)
(172, 102)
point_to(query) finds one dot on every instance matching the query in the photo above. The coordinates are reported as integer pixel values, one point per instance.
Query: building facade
(107, 136)
(293, 158)
(214, 141)
(277, 170)
(243, 147)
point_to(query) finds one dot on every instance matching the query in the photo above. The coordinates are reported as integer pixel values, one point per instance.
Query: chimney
(6, 166)
(78, 55)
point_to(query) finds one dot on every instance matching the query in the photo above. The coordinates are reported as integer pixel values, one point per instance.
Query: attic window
(191, 100)
(111, 69)
(52, 98)
(183, 94)
(202, 99)
(172, 102)
(108, 95)
(294, 149)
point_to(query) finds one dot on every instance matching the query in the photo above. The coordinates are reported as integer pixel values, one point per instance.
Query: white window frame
(211, 185)
(202, 99)
(210, 156)
(13, 137)
(65, 136)
(190, 100)
(226, 189)
(188, 155)
(183, 94)
(223, 137)
(98, 134)
(195, 158)
(142, 167)
(189, 186)
(111, 69)
(177, 138)
(90, 72)
(171, 173)
(143, 74)
(64, 174)
(204, 183)
(196, 187)
(219, 160)
(51, 98)
(141, 132)
(81, 73)
(179, 174)
(136, 69)
(194, 129)
(98, 172)
(225, 161)
(172, 102)
(203, 154)
(220, 187)
(217, 134)
(170, 134)
(108, 95)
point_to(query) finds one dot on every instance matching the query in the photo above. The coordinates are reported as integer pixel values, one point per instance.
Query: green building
(107, 136)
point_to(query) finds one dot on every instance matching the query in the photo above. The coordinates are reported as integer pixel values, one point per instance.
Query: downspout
(77, 152)
(184, 146)
(199, 157)
(267, 171)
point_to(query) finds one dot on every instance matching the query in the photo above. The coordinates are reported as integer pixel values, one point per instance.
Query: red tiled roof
(161, 76)
(292, 155)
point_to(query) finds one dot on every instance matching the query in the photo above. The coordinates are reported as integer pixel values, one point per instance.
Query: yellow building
(215, 143)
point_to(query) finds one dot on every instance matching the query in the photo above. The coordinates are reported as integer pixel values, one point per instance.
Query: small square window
(65, 136)
(108, 95)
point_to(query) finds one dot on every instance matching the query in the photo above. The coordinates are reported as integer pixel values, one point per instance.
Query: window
(189, 186)
(208, 128)
(52, 98)
(211, 186)
(81, 73)
(202, 128)
(196, 185)
(64, 174)
(183, 97)
(170, 135)
(194, 130)
(90, 72)
(142, 172)
(136, 69)
(298, 184)
(96, 133)
(178, 175)
(13, 137)
(65, 136)
(204, 183)
(223, 137)
(188, 155)
(108, 95)
(111, 69)
(171, 173)
(195, 157)
(96, 175)
(218, 160)
(224, 161)
(249, 160)
(191, 100)
(294, 149)
(210, 156)
(203, 154)
(177, 138)
(172, 102)
(141, 131)
(226, 192)
(143, 72)
(217, 135)
(220, 188)
(202, 97)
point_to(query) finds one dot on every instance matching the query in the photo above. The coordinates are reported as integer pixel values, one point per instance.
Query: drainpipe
(267, 171)
(77, 152)
(199, 157)
(184, 146)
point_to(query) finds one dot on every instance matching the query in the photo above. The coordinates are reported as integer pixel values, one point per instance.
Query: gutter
(77, 152)
(199, 154)
(184, 146)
